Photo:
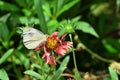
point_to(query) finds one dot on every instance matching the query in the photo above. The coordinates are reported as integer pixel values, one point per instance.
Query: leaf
(59, 4)
(61, 32)
(7, 6)
(61, 68)
(24, 20)
(75, 19)
(4, 32)
(113, 74)
(87, 28)
(4, 17)
(77, 75)
(34, 74)
(39, 10)
(6, 55)
(109, 45)
(52, 26)
(36, 66)
(21, 58)
(67, 7)
(21, 3)
(3, 75)
(47, 11)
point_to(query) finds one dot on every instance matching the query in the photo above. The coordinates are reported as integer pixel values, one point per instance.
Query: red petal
(63, 37)
(61, 50)
(52, 61)
(46, 56)
(55, 34)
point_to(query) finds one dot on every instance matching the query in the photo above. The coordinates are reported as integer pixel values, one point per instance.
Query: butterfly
(32, 37)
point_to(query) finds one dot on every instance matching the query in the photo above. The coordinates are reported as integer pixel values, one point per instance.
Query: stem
(95, 54)
(77, 75)
(74, 59)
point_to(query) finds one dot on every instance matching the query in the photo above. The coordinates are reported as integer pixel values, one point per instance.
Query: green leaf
(24, 20)
(39, 10)
(3, 75)
(113, 74)
(75, 19)
(7, 6)
(77, 75)
(59, 4)
(67, 7)
(6, 55)
(47, 11)
(109, 45)
(36, 66)
(21, 58)
(34, 74)
(52, 26)
(61, 68)
(4, 32)
(21, 3)
(61, 32)
(4, 17)
(87, 28)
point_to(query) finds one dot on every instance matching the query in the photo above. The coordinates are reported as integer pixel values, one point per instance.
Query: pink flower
(62, 49)
(54, 44)
(46, 55)
(52, 61)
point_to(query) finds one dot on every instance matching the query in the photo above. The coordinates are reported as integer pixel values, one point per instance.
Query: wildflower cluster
(54, 44)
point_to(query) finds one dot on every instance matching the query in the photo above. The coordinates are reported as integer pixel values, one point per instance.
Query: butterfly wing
(32, 37)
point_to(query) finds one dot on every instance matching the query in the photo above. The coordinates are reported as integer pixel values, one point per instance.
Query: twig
(68, 75)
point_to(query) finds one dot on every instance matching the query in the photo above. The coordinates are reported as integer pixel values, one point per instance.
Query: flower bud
(69, 28)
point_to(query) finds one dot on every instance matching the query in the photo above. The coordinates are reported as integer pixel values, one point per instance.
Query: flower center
(51, 43)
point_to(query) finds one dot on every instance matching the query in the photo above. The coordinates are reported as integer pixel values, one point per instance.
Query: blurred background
(45, 15)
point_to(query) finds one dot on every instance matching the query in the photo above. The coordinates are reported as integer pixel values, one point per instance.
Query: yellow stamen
(51, 43)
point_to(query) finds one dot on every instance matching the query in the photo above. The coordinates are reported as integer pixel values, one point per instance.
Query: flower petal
(52, 61)
(55, 35)
(46, 56)
(63, 37)
(62, 49)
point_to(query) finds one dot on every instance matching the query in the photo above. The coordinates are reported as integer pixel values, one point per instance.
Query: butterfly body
(32, 37)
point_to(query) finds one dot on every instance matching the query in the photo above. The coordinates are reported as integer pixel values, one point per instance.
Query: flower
(62, 49)
(46, 55)
(52, 61)
(52, 41)
(54, 44)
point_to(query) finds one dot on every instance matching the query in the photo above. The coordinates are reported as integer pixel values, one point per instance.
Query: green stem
(77, 75)
(74, 59)
(95, 54)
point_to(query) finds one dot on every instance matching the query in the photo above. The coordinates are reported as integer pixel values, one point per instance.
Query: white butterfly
(32, 37)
